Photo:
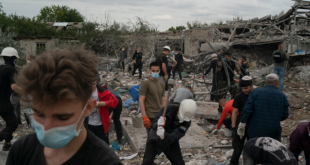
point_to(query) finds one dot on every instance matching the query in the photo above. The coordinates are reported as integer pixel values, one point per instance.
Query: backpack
(134, 92)
(277, 57)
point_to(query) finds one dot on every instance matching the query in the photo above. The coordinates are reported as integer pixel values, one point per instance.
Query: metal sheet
(60, 24)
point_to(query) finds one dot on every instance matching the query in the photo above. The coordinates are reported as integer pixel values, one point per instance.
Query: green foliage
(195, 24)
(59, 14)
(218, 23)
(237, 18)
(171, 29)
(178, 28)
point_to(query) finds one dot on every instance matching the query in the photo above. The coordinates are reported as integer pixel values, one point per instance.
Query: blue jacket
(265, 107)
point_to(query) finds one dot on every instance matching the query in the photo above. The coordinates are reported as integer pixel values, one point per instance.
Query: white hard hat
(9, 52)
(213, 55)
(187, 109)
(167, 47)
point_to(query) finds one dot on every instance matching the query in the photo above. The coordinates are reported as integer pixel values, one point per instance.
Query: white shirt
(94, 117)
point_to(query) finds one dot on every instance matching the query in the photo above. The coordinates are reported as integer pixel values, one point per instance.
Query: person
(223, 81)
(279, 57)
(99, 119)
(180, 94)
(163, 62)
(7, 86)
(30, 58)
(268, 106)
(16, 103)
(228, 109)
(213, 65)
(244, 67)
(138, 62)
(123, 57)
(179, 58)
(246, 85)
(151, 96)
(171, 64)
(116, 118)
(266, 150)
(167, 131)
(300, 141)
(60, 97)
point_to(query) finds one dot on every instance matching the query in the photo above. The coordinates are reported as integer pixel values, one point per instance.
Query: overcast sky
(164, 13)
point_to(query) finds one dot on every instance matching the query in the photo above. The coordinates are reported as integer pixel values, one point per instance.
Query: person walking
(216, 76)
(279, 57)
(268, 106)
(123, 57)
(163, 63)
(137, 62)
(151, 96)
(178, 68)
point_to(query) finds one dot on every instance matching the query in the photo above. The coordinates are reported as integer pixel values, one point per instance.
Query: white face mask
(28, 61)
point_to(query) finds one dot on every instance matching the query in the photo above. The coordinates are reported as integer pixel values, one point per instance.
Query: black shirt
(265, 150)
(244, 70)
(160, 60)
(212, 66)
(138, 57)
(230, 69)
(239, 103)
(28, 150)
(6, 80)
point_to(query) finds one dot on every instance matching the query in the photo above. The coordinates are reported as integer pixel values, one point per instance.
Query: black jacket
(230, 69)
(123, 56)
(212, 66)
(179, 58)
(138, 57)
(174, 130)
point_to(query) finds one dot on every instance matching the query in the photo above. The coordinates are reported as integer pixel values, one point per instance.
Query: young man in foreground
(59, 85)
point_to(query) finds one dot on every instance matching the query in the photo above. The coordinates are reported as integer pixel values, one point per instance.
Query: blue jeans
(280, 71)
(296, 154)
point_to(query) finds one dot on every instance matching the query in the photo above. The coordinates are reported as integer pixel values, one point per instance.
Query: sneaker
(6, 147)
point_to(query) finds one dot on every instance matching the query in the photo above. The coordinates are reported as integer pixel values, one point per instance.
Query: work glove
(214, 131)
(161, 122)
(166, 77)
(147, 122)
(160, 132)
(241, 130)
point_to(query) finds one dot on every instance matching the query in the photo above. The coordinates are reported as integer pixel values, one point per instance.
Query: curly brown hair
(57, 75)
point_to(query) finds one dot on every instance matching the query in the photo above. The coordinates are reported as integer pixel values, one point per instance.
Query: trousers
(10, 127)
(296, 154)
(173, 153)
(237, 144)
(123, 65)
(179, 69)
(135, 67)
(280, 71)
(116, 119)
(98, 130)
(227, 123)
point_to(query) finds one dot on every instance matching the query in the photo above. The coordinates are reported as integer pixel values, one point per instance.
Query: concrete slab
(195, 137)
(207, 111)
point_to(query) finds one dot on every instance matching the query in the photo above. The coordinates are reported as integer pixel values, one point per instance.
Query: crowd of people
(72, 111)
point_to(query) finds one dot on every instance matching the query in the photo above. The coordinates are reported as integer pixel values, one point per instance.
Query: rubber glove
(214, 131)
(160, 132)
(161, 122)
(147, 122)
(166, 77)
(241, 130)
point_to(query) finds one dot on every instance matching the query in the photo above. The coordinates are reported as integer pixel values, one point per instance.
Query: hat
(272, 77)
(213, 55)
(246, 81)
(226, 53)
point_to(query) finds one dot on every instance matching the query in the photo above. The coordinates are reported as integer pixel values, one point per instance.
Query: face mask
(56, 137)
(155, 75)
(11, 61)
(28, 61)
(180, 119)
(123, 49)
(224, 59)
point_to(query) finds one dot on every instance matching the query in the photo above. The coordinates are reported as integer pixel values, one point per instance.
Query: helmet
(9, 52)
(167, 47)
(187, 109)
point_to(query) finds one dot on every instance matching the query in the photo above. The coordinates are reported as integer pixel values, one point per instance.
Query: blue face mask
(224, 59)
(155, 75)
(56, 137)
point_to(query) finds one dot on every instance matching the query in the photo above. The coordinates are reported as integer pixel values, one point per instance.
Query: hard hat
(187, 109)
(9, 52)
(167, 47)
(213, 55)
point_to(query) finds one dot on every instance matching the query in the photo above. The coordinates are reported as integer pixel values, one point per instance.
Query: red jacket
(105, 95)
(228, 109)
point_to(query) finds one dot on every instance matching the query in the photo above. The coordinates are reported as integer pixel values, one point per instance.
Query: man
(137, 62)
(116, 118)
(60, 97)
(99, 119)
(167, 131)
(265, 150)
(279, 57)
(7, 86)
(123, 56)
(228, 109)
(30, 58)
(213, 65)
(179, 58)
(151, 96)
(171, 64)
(246, 85)
(300, 141)
(180, 94)
(244, 67)
(223, 81)
(163, 62)
(268, 106)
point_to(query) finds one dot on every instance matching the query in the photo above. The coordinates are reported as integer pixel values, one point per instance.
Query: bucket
(227, 132)
(137, 122)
